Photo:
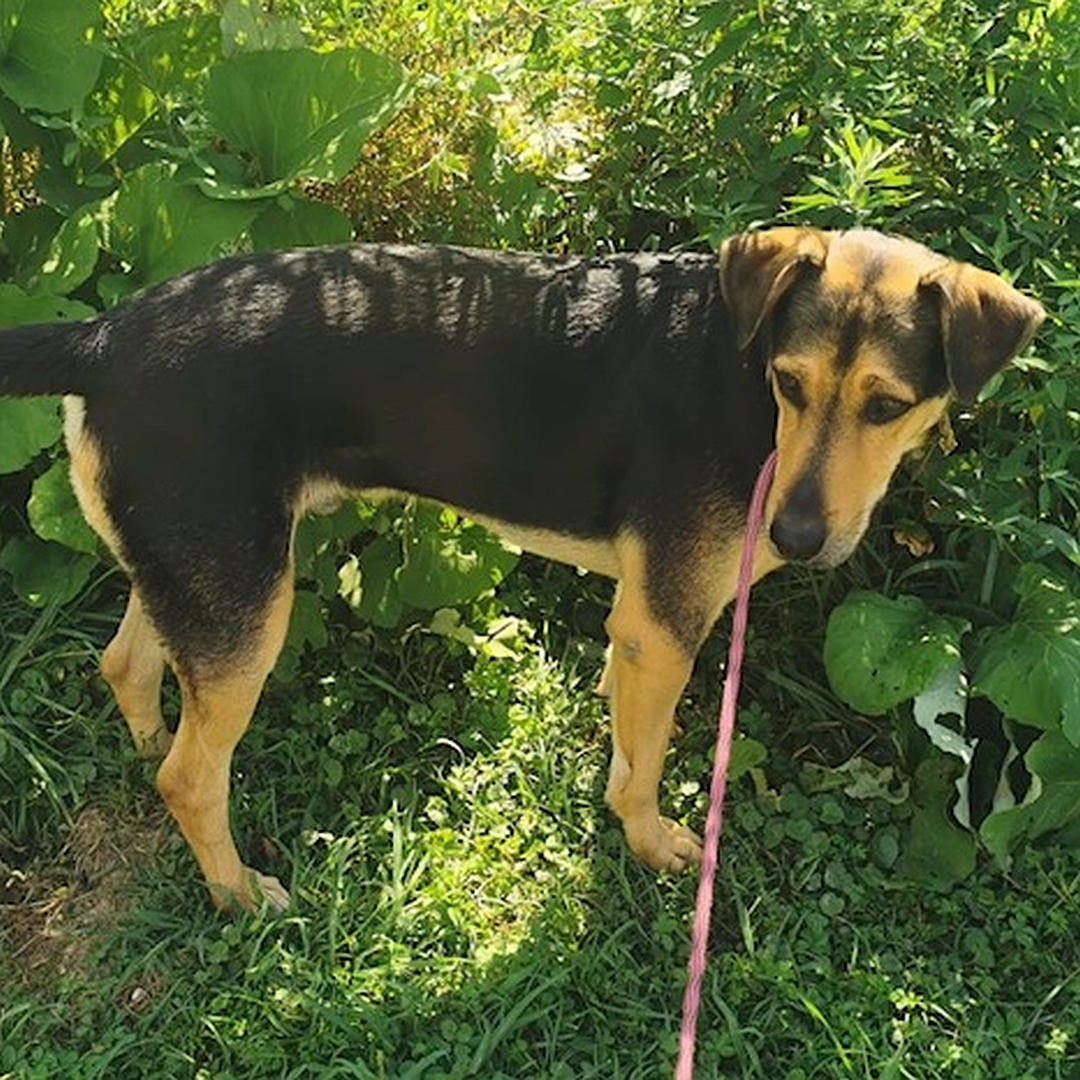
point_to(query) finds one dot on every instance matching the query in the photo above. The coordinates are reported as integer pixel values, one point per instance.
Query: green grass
(464, 906)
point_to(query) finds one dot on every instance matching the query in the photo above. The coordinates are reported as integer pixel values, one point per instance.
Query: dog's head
(866, 338)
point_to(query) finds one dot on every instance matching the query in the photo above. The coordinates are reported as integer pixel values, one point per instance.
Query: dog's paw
(681, 846)
(252, 892)
(271, 892)
(155, 745)
(664, 844)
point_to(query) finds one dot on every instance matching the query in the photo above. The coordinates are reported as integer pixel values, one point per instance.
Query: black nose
(798, 530)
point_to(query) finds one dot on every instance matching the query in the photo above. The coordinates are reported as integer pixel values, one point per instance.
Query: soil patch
(53, 912)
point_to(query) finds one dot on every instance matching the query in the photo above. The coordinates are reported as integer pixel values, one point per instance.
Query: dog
(609, 412)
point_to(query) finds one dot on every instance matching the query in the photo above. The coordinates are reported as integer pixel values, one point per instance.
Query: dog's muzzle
(798, 530)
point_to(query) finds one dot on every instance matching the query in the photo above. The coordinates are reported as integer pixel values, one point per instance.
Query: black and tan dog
(609, 412)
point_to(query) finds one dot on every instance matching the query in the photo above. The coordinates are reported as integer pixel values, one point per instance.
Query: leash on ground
(684, 1070)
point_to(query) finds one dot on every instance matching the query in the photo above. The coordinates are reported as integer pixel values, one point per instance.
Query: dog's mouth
(813, 563)
(830, 557)
(816, 548)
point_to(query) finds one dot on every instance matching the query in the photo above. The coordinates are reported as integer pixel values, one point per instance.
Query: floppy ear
(984, 324)
(756, 269)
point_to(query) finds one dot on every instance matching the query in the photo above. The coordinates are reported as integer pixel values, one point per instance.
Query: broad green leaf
(19, 309)
(746, 754)
(502, 639)
(307, 622)
(161, 226)
(936, 852)
(42, 572)
(881, 651)
(54, 255)
(317, 545)
(155, 71)
(55, 514)
(1030, 669)
(297, 114)
(27, 236)
(298, 222)
(379, 601)
(172, 58)
(245, 27)
(27, 427)
(47, 57)
(1052, 802)
(447, 560)
(118, 109)
(307, 626)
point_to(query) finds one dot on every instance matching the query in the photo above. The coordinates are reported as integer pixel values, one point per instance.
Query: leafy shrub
(157, 150)
(149, 151)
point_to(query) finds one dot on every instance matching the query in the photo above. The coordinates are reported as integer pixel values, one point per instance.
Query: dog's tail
(50, 358)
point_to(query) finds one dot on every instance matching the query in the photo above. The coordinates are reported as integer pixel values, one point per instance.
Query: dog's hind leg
(133, 664)
(217, 701)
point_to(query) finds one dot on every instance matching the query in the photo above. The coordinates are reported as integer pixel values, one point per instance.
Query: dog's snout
(798, 530)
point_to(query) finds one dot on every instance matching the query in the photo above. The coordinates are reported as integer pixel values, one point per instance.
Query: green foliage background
(143, 138)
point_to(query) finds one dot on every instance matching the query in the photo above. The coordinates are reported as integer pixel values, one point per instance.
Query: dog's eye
(790, 388)
(884, 410)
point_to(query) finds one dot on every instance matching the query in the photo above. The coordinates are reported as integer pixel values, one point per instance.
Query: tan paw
(155, 746)
(254, 890)
(271, 892)
(664, 844)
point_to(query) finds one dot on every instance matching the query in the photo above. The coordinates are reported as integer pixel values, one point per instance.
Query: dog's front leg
(646, 672)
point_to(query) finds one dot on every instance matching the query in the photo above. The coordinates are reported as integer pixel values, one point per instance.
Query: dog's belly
(596, 555)
(590, 554)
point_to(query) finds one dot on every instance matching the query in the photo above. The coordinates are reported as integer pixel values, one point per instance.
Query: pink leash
(684, 1070)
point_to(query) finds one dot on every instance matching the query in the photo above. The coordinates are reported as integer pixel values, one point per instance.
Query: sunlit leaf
(47, 58)
(161, 226)
(54, 255)
(448, 561)
(880, 651)
(1030, 668)
(246, 27)
(379, 601)
(296, 113)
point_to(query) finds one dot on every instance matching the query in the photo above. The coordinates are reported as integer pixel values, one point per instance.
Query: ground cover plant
(900, 883)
